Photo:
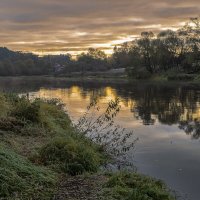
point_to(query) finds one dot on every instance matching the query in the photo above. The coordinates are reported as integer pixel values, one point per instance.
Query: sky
(72, 26)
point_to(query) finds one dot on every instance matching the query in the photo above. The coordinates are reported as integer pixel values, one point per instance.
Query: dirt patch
(81, 188)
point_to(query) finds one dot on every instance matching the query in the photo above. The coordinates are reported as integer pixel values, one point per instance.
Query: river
(164, 116)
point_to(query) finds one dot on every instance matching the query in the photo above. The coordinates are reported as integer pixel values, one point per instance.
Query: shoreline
(49, 151)
(98, 78)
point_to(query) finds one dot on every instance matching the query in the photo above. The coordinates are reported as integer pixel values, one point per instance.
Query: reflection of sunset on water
(75, 95)
(152, 119)
(165, 118)
(77, 100)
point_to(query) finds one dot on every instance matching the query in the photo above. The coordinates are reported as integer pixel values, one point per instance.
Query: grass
(134, 186)
(73, 156)
(35, 135)
(19, 178)
(38, 145)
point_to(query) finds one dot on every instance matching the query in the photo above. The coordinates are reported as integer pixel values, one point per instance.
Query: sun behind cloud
(59, 27)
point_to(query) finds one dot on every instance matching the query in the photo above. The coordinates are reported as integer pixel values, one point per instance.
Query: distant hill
(6, 53)
(13, 63)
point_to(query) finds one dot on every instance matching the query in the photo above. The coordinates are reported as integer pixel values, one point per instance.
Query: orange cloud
(59, 26)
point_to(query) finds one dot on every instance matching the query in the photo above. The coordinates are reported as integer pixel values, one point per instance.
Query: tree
(177, 50)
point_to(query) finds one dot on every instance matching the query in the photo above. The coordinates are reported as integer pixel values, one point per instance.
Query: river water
(165, 118)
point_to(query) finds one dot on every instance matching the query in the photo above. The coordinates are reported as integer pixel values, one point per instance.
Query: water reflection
(191, 128)
(149, 105)
(165, 118)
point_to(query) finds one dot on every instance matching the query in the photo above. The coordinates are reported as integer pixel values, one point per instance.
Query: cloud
(53, 26)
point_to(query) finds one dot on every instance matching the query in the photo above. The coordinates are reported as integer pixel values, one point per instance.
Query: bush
(49, 114)
(25, 110)
(72, 156)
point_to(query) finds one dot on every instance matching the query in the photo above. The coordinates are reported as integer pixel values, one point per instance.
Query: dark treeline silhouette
(18, 63)
(176, 51)
(172, 52)
(92, 61)
(168, 50)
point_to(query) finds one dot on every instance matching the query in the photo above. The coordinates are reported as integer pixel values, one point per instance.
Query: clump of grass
(53, 117)
(133, 186)
(25, 110)
(20, 179)
(72, 156)
(4, 106)
(20, 112)
(11, 124)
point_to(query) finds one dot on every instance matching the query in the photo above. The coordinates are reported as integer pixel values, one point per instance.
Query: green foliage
(26, 110)
(11, 124)
(48, 114)
(4, 106)
(43, 132)
(19, 178)
(133, 186)
(53, 117)
(71, 155)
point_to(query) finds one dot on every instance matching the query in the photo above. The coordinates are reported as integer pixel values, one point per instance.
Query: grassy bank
(40, 151)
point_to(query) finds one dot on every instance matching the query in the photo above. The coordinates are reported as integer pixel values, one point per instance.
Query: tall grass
(72, 156)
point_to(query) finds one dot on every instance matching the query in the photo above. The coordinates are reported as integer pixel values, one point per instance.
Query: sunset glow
(60, 27)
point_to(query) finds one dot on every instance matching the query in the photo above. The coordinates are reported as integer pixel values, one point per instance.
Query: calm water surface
(165, 118)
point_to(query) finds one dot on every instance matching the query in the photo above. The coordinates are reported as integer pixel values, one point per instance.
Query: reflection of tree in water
(191, 128)
(168, 105)
(158, 103)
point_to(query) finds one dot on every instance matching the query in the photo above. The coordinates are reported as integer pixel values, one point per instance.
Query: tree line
(168, 51)
(177, 51)
(17, 63)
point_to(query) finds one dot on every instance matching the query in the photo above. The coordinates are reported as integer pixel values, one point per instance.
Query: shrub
(72, 156)
(48, 114)
(26, 110)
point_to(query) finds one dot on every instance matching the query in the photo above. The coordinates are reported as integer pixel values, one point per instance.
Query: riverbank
(44, 157)
(161, 78)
